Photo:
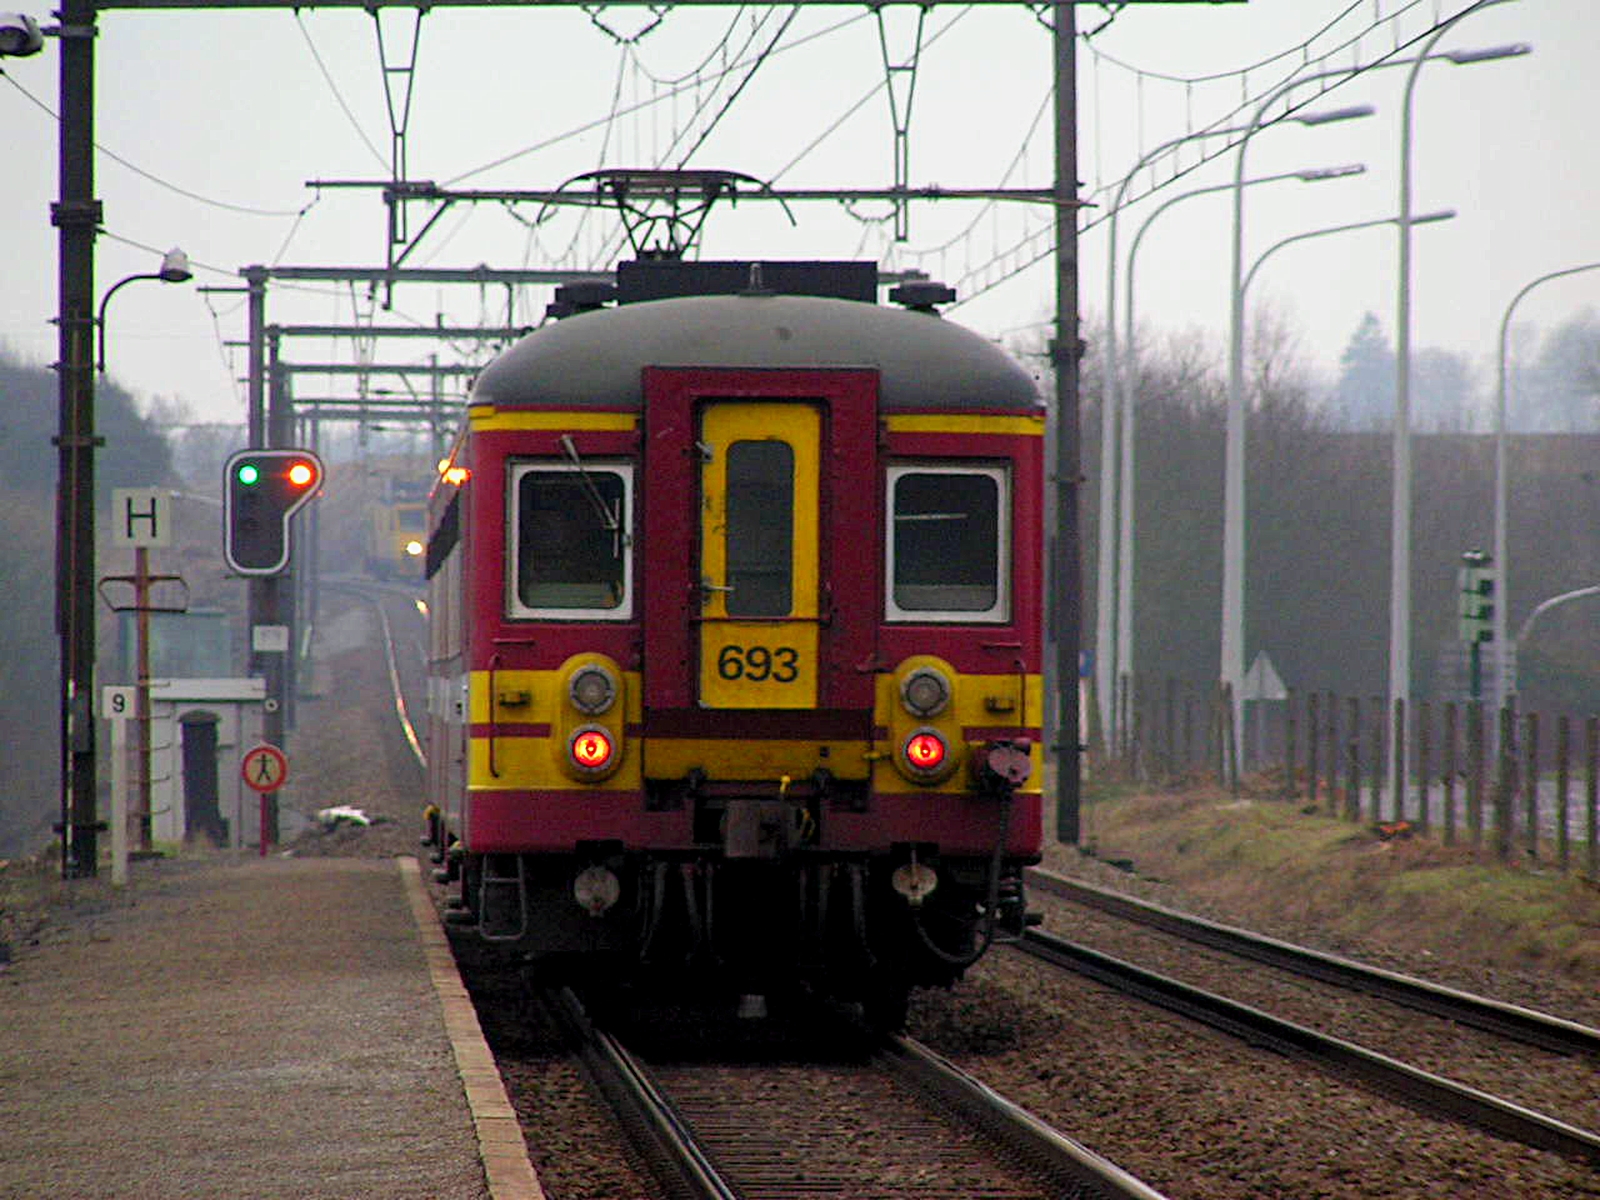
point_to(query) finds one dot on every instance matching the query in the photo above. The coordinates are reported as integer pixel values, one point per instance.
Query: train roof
(595, 359)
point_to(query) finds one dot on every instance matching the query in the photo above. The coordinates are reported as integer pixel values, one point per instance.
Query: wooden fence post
(1530, 783)
(1591, 754)
(1402, 781)
(1291, 781)
(1505, 783)
(1313, 733)
(1230, 738)
(1352, 782)
(1378, 761)
(1449, 773)
(1563, 790)
(1424, 724)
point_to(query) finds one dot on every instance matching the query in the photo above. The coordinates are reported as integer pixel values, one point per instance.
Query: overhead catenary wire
(246, 209)
(587, 126)
(338, 96)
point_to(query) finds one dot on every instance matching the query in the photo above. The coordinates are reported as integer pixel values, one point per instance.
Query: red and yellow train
(736, 599)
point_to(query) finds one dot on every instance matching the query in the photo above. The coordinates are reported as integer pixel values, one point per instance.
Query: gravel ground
(1201, 1116)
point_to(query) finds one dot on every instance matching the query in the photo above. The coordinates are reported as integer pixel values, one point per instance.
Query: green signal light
(249, 474)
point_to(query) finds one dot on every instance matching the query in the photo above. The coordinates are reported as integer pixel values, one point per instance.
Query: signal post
(262, 489)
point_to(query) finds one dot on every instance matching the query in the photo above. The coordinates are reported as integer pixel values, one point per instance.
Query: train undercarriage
(862, 929)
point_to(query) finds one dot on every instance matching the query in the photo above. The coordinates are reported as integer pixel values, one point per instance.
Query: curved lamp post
(1116, 404)
(1231, 649)
(1127, 365)
(1502, 650)
(1444, 214)
(1232, 638)
(1400, 507)
(174, 269)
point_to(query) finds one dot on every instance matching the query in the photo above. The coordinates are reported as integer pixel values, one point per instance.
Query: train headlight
(926, 754)
(591, 750)
(413, 548)
(592, 689)
(925, 692)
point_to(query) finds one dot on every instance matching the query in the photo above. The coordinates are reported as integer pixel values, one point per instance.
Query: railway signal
(1476, 580)
(261, 490)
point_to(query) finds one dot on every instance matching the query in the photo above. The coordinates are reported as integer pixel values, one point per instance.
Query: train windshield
(570, 540)
(948, 543)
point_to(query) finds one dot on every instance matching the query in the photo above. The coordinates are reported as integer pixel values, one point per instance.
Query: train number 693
(759, 664)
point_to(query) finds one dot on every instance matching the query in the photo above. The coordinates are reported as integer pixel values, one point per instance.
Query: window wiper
(610, 518)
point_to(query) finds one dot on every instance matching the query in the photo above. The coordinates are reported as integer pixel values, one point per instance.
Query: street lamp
(174, 269)
(1128, 365)
(1231, 650)
(1444, 214)
(1502, 649)
(1114, 408)
(1400, 506)
(1106, 643)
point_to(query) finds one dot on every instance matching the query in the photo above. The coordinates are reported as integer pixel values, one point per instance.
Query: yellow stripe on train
(964, 423)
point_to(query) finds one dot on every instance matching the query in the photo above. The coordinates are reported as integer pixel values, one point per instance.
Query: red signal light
(925, 752)
(591, 749)
(302, 474)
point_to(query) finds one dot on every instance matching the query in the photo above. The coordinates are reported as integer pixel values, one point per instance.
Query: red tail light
(591, 749)
(925, 752)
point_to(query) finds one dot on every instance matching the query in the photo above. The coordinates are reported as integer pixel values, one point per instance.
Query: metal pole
(1231, 649)
(1065, 355)
(141, 702)
(1502, 604)
(77, 215)
(1114, 553)
(1400, 505)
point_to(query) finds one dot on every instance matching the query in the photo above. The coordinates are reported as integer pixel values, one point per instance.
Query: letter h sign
(141, 517)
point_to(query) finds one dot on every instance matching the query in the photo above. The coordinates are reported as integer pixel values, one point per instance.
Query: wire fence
(1509, 784)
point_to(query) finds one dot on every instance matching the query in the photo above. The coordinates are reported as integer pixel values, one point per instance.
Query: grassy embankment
(1271, 860)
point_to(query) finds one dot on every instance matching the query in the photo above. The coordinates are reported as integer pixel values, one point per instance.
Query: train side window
(569, 541)
(948, 543)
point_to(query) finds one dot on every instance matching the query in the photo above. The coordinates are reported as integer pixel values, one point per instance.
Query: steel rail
(397, 694)
(659, 1133)
(1388, 1075)
(1016, 1129)
(1507, 1020)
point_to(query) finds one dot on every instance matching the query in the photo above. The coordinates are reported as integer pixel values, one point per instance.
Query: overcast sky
(212, 113)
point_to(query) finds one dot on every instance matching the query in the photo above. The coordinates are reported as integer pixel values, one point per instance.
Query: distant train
(397, 528)
(735, 581)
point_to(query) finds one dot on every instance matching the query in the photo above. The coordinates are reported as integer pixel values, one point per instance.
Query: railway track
(406, 682)
(1494, 1016)
(850, 1115)
(1388, 1074)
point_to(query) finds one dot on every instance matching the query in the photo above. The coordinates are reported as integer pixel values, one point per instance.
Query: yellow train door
(758, 561)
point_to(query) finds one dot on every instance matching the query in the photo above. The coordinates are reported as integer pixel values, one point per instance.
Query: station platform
(261, 1027)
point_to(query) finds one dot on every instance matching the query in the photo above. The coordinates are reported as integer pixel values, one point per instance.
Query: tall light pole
(1115, 404)
(1502, 648)
(1127, 368)
(1231, 651)
(1400, 505)
(1106, 641)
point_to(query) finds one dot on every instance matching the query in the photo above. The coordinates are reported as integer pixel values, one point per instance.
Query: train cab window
(570, 533)
(948, 543)
(760, 509)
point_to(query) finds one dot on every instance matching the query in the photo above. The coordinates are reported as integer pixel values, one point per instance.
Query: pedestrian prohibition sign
(264, 768)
